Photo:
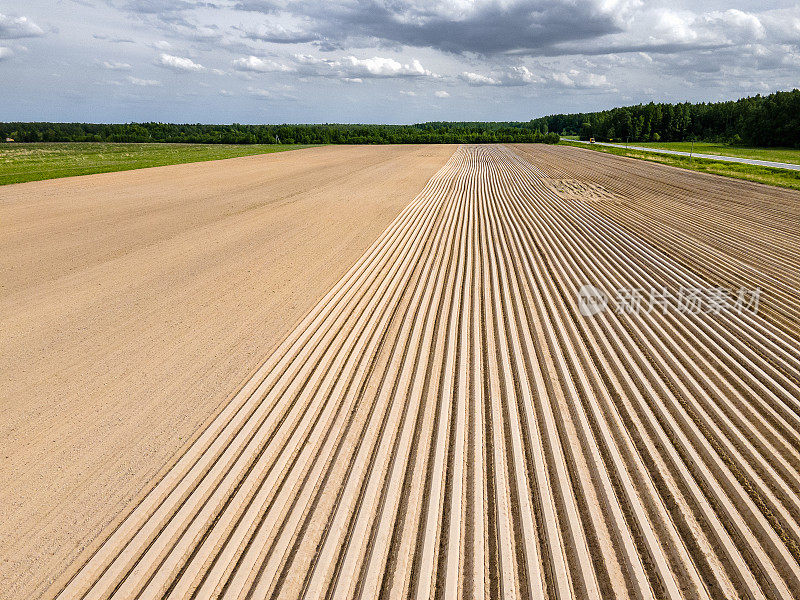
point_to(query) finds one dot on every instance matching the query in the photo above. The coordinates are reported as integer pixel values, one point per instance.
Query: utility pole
(691, 152)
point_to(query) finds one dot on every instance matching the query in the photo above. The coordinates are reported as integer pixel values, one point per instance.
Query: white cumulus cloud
(515, 76)
(253, 63)
(734, 22)
(18, 27)
(577, 80)
(384, 67)
(178, 63)
(478, 79)
(352, 67)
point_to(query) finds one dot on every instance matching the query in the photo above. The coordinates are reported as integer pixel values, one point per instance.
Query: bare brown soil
(733, 233)
(445, 422)
(132, 305)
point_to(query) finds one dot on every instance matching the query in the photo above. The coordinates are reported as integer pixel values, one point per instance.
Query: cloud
(483, 26)
(533, 56)
(263, 6)
(576, 80)
(517, 27)
(669, 31)
(260, 65)
(277, 93)
(351, 67)
(674, 26)
(143, 82)
(441, 94)
(178, 63)
(152, 6)
(782, 25)
(112, 39)
(113, 65)
(12, 28)
(478, 79)
(736, 23)
(515, 76)
(173, 18)
(278, 34)
(384, 67)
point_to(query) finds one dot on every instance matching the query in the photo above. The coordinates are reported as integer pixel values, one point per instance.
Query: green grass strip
(36, 161)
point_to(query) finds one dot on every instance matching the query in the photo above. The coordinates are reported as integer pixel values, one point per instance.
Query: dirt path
(133, 304)
(446, 423)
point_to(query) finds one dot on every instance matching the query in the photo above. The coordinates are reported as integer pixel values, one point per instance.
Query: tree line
(423, 133)
(772, 120)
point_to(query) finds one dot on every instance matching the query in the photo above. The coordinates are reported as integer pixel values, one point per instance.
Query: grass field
(767, 175)
(37, 161)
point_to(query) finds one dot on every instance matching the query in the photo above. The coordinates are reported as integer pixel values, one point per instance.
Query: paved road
(736, 159)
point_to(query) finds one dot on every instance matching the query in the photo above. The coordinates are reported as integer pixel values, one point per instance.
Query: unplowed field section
(132, 307)
(446, 423)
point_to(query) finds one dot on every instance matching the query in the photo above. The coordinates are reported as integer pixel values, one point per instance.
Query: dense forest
(425, 133)
(772, 120)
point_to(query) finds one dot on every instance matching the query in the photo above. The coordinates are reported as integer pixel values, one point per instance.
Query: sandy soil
(446, 423)
(133, 305)
(733, 232)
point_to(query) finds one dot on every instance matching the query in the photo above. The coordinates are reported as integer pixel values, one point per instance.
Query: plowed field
(448, 421)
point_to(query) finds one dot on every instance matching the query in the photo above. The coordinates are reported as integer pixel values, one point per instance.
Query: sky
(382, 61)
